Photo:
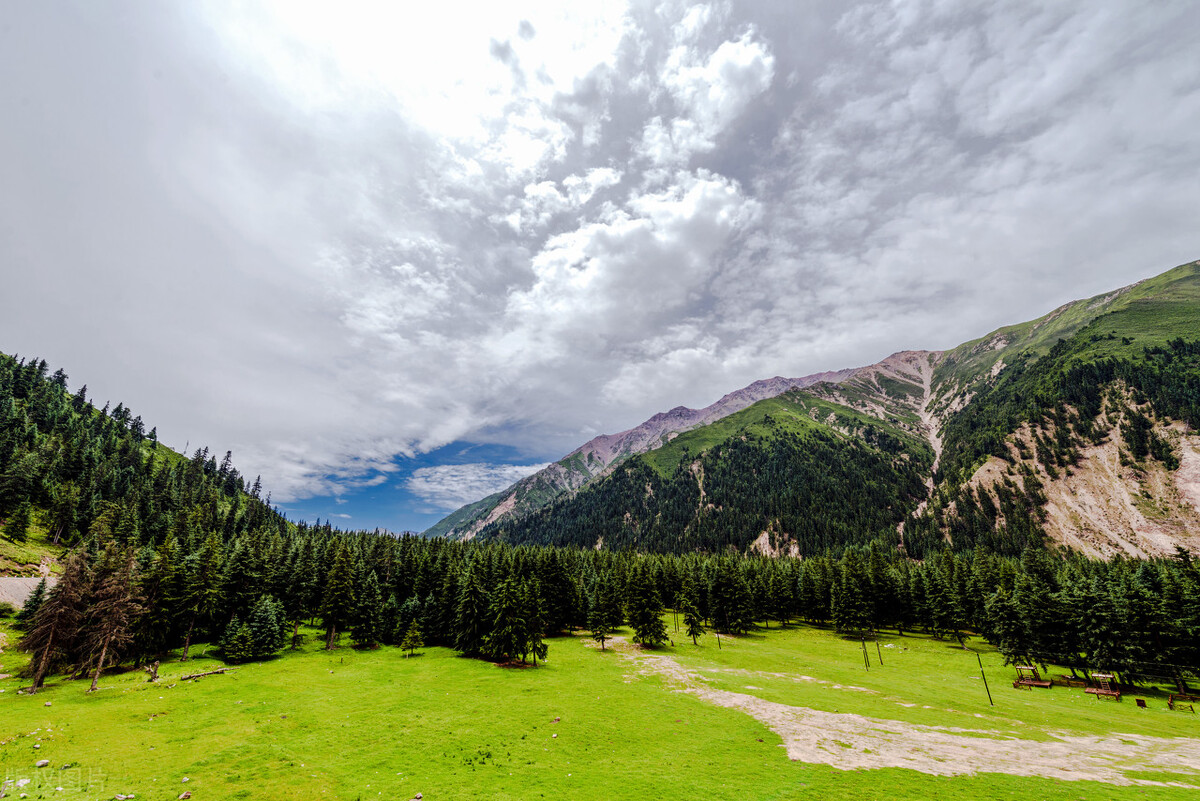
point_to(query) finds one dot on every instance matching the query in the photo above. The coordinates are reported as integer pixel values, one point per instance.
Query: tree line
(171, 551)
(124, 601)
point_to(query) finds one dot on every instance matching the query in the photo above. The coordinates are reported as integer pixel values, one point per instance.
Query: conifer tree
(644, 609)
(412, 639)
(24, 618)
(17, 527)
(389, 620)
(535, 621)
(237, 644)
(112, 609)
(604, 615)
(268, 627)
(55, 627)
(367, 617)
(850, 608)
(1004, 619)
(338, 601)
(201, 588)
(510, 623)
(692, 621)
(472, 619)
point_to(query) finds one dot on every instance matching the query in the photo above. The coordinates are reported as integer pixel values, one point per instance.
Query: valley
(782, 713)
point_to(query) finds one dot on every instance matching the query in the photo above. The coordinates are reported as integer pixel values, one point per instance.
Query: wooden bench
(1104, 692)
(1027, 677)
(1183, 701)
(1071, 681)
(1032, 683)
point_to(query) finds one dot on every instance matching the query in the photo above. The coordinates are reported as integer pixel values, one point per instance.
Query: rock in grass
(41, 763)
(184, 794)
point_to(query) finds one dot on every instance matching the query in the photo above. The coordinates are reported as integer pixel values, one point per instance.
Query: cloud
(451, 486)
(334, 240)
(709, 94)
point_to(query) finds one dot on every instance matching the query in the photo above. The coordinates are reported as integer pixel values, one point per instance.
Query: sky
(396, 256)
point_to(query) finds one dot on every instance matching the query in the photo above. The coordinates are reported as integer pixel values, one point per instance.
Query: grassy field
(373, 724)
(25, 558)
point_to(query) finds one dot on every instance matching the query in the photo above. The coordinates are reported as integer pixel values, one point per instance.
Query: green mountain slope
(1147, 313)
(70, 471)
(793, 474)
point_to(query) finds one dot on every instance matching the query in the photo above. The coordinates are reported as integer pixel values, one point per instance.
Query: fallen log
(209, 673)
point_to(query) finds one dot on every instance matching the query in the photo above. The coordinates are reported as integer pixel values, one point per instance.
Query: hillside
(70, 472)
(1010, 446)
(794, 474)
(601, 453)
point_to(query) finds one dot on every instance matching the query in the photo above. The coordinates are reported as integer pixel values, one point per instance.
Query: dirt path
(850, 742)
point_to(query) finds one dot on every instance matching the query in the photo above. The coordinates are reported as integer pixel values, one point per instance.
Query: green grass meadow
(354, 724)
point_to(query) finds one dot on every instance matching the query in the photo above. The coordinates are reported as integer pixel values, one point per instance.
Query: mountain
(596, 456)
(1077, 428)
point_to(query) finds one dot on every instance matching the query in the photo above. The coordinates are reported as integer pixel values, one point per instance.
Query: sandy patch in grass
(850, 742)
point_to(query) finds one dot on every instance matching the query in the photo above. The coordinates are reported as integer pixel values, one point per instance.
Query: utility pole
(983, 676)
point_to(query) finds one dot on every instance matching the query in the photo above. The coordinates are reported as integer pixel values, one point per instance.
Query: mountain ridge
(601, 453)
(907, 393)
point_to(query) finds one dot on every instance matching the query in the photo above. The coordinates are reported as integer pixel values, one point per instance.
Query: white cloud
(451, 486)
(360, 233)
(710, 93)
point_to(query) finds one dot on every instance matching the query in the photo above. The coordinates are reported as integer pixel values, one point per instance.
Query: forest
(825, 489)
(162, 552)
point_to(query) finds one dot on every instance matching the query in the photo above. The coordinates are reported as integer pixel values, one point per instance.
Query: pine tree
(472, 619)
(604, 616)
(338, 602)
(55, 627)
(17, 527)
(412, 639)
(644, 609)
(692, 621)
(851, 609)
(237, 645)
(367, 619)
(535, 621)
(389, 620)
(268, 627)
(510, 626)
(201, 588)
(112, 609)
(36, 598)
(1009, 633)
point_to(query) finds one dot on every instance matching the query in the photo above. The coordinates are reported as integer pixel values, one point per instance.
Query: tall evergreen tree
(509, 633)
(604, 614)
(112, 609)
(338, 601)
(644, 609)
(367, 617)
(55, 627)
(472, 618)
